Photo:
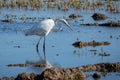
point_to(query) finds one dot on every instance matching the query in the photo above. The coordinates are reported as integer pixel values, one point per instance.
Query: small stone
(96, 76)
(73, 16)
(99, 16)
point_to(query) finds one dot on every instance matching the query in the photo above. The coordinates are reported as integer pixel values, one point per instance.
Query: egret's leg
(37, 45)
(44, 49)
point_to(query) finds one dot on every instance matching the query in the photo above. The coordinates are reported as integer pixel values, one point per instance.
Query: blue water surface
(59, 49)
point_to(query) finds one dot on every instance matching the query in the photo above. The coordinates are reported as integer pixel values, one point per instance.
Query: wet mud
(76, 73)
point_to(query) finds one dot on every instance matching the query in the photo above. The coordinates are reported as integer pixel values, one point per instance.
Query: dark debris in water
(90, 24)
(40, 64)
(18, 65)
(107, 24)
(111, 24)
(7, 20)
(104, 54)
(93, 43)
(25, 65)
(17, 46)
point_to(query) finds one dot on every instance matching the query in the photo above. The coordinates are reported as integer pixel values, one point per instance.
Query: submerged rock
(99, 16)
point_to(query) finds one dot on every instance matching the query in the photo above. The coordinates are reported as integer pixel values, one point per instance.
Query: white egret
(43, 29)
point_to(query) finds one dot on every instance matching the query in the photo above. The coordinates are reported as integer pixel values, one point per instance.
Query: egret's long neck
(58, 25)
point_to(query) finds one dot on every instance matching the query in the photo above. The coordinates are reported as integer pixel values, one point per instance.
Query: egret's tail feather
(27, 32)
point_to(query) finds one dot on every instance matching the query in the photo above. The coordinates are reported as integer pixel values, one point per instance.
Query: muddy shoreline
(68, 73)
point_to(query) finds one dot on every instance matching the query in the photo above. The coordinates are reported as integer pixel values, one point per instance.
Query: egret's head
(65, 22)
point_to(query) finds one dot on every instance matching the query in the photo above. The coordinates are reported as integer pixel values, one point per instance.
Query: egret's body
(43, 29)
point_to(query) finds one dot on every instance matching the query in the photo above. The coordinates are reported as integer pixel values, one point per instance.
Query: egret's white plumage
(43, 29)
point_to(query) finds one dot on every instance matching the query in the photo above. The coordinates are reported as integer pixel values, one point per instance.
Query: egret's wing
(35, 30)
(41, 29)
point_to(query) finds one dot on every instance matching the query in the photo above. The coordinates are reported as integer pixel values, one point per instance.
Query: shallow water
(17, 48)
